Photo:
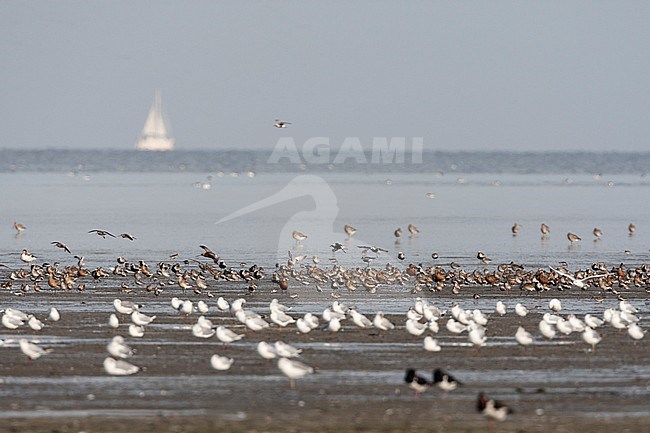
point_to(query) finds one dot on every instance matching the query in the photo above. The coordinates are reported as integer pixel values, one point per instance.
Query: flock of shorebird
(422, 319)
(572, 237)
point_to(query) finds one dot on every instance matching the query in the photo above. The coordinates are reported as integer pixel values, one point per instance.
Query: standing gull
(294, 369)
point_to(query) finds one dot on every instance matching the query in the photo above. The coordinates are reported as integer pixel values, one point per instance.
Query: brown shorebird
(631, 228)
(398, 232)
(545, 229)
(413, 230)
(515, 229)
(298, 236)
(19, 227)
(349, 230)
(573, 237)
(598, 232)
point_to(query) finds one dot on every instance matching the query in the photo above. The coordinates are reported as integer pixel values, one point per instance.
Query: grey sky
(463, 75)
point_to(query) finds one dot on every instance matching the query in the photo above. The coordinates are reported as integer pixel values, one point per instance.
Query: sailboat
(155, 134)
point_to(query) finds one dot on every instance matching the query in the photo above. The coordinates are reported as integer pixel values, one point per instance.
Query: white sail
(155, 135)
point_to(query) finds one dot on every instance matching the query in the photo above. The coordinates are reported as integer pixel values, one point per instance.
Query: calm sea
(460, 202)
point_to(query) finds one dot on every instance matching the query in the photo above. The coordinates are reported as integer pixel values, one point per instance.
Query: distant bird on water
(281, 123)
(298, 236)
(19, 227)
(398, 232)
(515, 229)
(545, 229)
(102, 233)
(631, 228)
(349, 230)
(598, 232)
(413, 230)
(573, 237)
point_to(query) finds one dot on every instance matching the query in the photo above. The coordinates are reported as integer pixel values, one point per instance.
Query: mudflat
(552, 385)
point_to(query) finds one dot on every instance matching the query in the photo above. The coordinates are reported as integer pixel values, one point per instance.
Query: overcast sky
(464, 75)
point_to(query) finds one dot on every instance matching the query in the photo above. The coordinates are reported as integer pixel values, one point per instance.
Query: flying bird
(127, 236)
(62, 246)
(102, 233)
(577, 282)
(367, 248)
(281, 123)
